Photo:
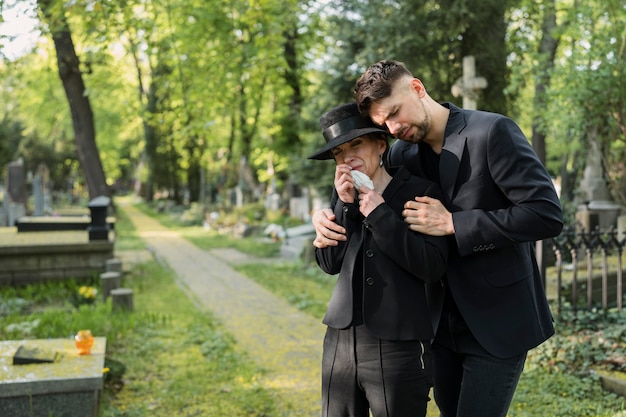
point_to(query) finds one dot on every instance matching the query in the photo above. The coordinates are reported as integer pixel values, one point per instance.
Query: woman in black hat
(377, 345)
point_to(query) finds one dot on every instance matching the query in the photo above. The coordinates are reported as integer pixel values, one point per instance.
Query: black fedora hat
(341, 125)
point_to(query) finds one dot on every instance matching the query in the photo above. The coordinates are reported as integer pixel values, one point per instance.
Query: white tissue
(361, 179)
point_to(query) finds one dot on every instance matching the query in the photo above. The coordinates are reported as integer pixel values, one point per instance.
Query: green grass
(176, 358)
(542, 390)
(180, 361)
(126, 235)
(165, 359)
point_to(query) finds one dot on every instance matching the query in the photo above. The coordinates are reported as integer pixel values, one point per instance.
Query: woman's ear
(383, 144)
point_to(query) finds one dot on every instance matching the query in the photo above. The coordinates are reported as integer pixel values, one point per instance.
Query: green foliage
(183, 92)
(556, 394)
(584, 101)
(584, 342)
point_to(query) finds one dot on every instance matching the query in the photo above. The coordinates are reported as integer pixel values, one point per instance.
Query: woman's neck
(381, 179)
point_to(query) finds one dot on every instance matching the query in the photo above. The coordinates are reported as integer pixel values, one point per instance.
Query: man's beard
(421, 130)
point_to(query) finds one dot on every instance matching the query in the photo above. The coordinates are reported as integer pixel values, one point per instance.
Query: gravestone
(38, 196)
(41, 194)
(469, 85)
(319, 203)
(110, 281)
(99, 228)
(299, 208)
(113, 265)
(621, 228)
(296, 239)
(122, 299)
(3, 217)
(15, 197)
(68, 387)
(272, 202)
(594, 194)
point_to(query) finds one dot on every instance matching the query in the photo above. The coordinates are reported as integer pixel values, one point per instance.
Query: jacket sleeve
(424, 257)
(527, 207)
(330, 258)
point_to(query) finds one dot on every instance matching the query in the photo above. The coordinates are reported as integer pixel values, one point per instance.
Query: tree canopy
(193, 97)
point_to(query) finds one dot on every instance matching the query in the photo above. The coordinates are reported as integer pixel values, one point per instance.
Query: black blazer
(502, 200)
(396, 264)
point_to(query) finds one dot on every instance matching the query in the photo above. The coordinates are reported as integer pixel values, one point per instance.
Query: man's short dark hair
(376, 83)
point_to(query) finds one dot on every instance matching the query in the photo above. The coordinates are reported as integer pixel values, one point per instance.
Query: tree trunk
(82, 115)
(547, 51)
(487, 26)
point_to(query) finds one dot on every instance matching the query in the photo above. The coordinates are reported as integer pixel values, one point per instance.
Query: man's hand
(327, 232)
(428, 216)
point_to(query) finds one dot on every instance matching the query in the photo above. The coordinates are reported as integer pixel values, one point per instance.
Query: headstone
(621, 228)
(99, 228)
(593, 190)
(3, 216)
(69, 386)
(238, 197)
(44, 173)
(295, 240)
(593, 186)
(272, 202)
(109, 282)
(299, 208)
(122, 299)
(15, 198)
(38, 196)
(469, 85)
(113, 265)
(16, 185)
(320, 203)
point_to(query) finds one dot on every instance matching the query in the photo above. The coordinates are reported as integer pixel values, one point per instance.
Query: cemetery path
(281, 339)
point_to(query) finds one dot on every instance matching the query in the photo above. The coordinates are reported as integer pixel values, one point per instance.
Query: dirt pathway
(281, 339)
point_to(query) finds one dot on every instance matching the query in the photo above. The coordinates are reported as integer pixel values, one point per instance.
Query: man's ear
(419, 88)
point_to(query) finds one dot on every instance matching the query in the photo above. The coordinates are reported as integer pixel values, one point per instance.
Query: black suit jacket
(502, 200)
(397, 264)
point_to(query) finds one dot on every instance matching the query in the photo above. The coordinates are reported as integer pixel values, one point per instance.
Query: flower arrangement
(84, 295)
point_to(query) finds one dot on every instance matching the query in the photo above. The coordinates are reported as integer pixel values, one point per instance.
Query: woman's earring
(380, 164)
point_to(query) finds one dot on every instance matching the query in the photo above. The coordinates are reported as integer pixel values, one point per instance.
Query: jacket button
(369, 253)
(369, 281)
(345, 209)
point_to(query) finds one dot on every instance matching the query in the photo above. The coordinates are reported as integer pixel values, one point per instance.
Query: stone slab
(68, 387)
(38, 256)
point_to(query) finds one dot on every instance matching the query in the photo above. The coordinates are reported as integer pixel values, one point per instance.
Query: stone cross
(469, 85)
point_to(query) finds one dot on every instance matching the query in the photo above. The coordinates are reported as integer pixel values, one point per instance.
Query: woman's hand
(344, 184)
(369, 200)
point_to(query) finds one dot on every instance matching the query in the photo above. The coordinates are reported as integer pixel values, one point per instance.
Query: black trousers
(361, 373)
(470, 382)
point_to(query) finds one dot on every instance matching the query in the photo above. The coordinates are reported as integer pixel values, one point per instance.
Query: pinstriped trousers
(361, 373)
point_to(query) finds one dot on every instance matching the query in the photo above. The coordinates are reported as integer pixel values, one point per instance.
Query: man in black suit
(498, 200)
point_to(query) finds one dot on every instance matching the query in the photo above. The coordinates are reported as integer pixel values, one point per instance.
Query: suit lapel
(450, 158)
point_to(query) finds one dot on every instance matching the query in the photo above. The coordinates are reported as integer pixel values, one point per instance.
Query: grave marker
(469, 85)
(71, 386)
